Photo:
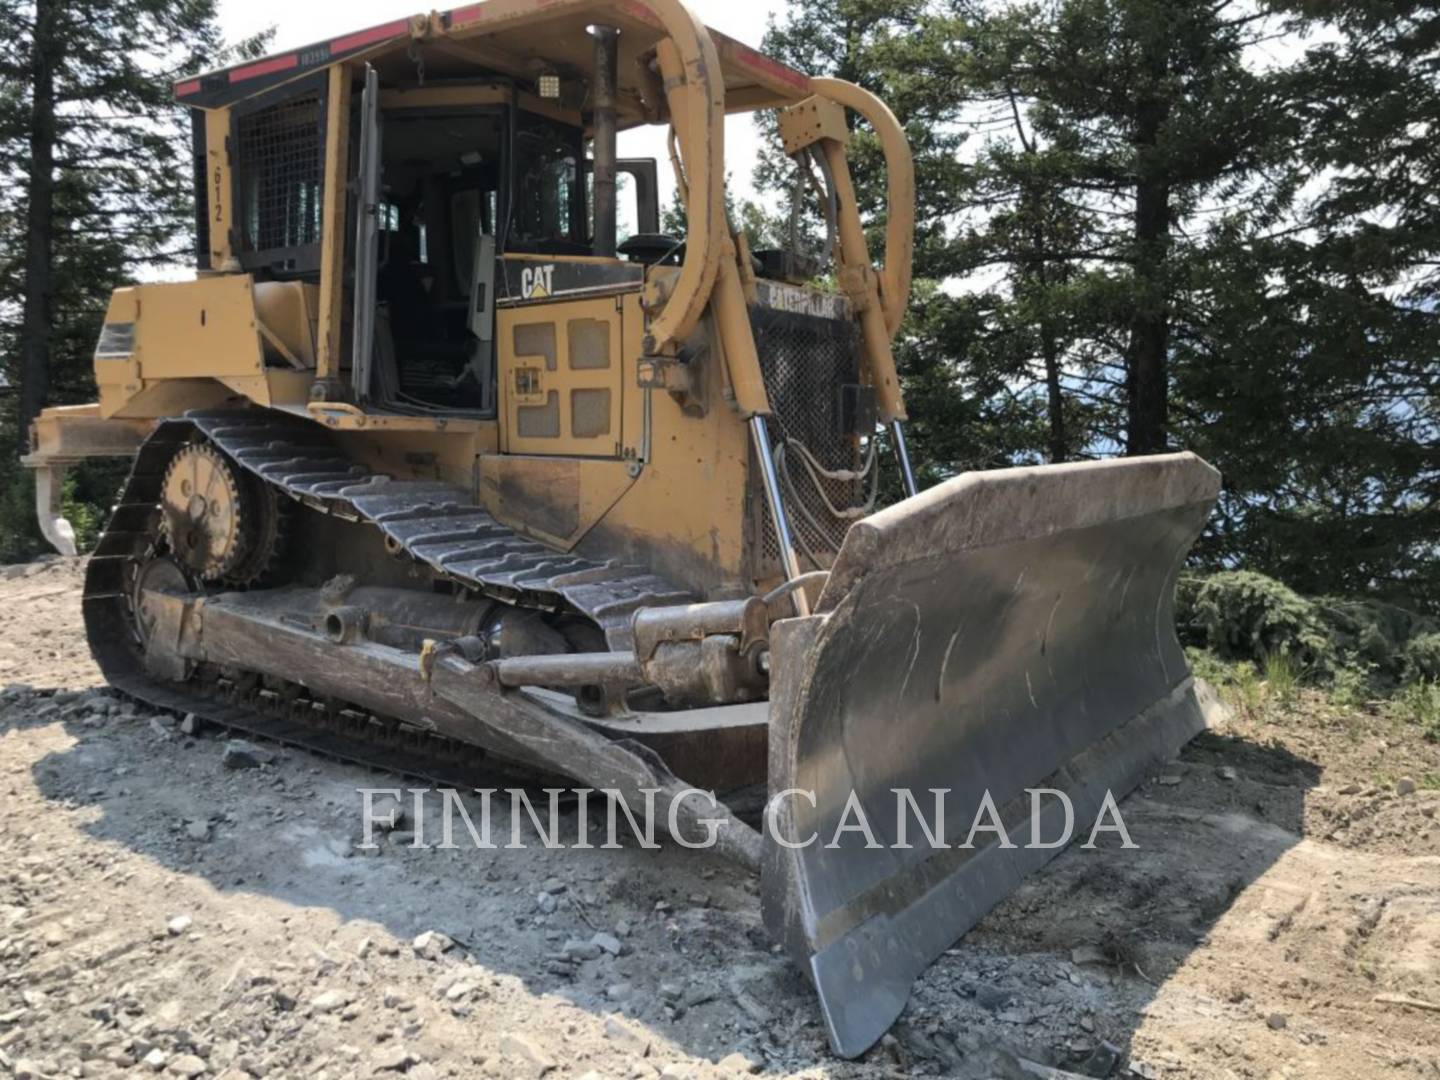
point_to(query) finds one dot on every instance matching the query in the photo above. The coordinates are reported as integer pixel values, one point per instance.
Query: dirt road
(162, 913)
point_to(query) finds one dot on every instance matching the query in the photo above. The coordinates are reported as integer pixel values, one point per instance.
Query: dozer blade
(1004, 631)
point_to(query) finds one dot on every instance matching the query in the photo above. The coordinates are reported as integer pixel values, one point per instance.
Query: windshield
(547, 212)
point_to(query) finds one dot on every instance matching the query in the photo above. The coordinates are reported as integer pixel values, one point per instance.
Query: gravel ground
(163, 913)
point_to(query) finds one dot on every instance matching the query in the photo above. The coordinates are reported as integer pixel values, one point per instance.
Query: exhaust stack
(606, 74)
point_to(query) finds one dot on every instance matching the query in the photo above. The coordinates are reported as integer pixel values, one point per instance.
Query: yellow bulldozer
(433, 468)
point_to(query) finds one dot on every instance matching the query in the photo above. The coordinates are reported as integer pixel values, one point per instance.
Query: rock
(393, 1059)
(330, 1001)
(625, 1037)
(575, 949)
(1405, 786)
(178, 925)
(1428, 810)
(671, 991)
(432, 944)
(1168, 780)
(240, 754)
(522, 1048)
(459, 990)
(160, 730)
(1087, 954)
(387, 812)
(155, 1059)
(546, 903)
(1277, 1021)
(678, 1071)
(1350, 789)
(198, 830)
(608, 942)
(191, 724)
(1101, 1061)
(1227, 772)
(738, 1063)
(423, 1071)
(187, 1065)
(554, 886)
(393, 999)
(619, 991)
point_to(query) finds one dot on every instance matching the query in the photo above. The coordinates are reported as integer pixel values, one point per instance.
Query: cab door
(560, 385)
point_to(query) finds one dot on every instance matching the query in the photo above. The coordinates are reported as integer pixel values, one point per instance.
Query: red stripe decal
(639, 11)
(264, 67)
(185, 89)
(369, 37)
(465, 14)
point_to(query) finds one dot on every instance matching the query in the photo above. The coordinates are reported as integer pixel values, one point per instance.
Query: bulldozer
(437, 466)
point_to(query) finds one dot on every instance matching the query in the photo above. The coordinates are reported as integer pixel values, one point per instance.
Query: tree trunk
(1049, 350)
(1038, 263)
(1150, 324)
(1147, 388)
(40, 220)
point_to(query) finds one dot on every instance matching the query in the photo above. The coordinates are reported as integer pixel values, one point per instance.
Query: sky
(305, 23)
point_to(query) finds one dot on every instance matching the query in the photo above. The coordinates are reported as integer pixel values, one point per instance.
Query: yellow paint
(544, 381)
(556, 500)
(332, 250)
(811, 120)
(637, 479)
(218, 186)
(201, 341)
(287, 309)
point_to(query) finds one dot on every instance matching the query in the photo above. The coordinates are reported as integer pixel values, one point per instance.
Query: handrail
(899, 191)
(699, 121)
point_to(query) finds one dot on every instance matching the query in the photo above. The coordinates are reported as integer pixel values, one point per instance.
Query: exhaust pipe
(606, 76)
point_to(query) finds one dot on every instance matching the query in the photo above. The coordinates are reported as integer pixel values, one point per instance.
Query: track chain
(297, 458)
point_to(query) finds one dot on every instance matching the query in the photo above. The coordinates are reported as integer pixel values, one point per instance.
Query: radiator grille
(279, 153)
(808, 361)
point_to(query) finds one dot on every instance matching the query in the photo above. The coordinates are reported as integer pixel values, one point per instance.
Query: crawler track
(434, 523)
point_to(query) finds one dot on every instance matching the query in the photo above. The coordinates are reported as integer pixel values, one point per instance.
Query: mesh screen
(806, 360)
(280, 151)
(201, 180)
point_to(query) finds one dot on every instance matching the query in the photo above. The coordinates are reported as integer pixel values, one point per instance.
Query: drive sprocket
(221, 524)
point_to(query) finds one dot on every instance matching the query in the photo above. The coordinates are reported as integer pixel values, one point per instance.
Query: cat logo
(535, 281)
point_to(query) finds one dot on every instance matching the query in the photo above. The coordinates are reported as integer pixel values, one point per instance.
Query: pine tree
(1313, 374)
(95, 187)
(95, 178)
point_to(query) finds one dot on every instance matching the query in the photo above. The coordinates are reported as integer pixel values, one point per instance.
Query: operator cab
(482, 196)
(474, 189)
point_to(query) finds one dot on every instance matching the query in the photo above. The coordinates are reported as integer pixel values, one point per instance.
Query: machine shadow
(1064, 966)
(1066, 970)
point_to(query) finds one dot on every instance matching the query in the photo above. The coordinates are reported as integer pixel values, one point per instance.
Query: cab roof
(455, 44)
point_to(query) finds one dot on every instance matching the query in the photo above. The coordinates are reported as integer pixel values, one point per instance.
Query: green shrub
(1247, 616)
(1352, 686)
(1375, 633)
(1419, 703)
(86, 496)
(20, 538)
(1282, 677)
(1420, 659)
